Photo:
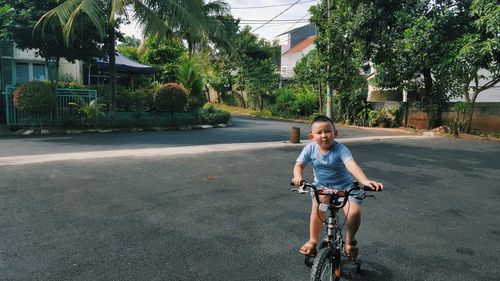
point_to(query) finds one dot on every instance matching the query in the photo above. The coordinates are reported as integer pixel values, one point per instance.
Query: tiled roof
(301, 45)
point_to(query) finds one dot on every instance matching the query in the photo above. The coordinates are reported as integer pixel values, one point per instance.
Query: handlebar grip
(301, 183)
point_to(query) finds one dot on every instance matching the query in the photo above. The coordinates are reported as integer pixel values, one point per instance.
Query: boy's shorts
(355, 196)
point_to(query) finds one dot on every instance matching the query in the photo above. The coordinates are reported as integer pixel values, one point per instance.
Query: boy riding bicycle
(333, 166)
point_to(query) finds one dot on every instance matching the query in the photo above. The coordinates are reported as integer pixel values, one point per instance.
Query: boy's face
(323, 133)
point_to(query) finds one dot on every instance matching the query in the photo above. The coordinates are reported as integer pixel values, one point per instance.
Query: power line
(293, 4)
(269, 6)
(296, 23)
(290, 20)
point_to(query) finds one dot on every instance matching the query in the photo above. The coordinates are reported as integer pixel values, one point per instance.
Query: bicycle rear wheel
(326, 266)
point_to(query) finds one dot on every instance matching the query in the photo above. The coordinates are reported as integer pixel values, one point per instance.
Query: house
(298, 43)
(17, 67)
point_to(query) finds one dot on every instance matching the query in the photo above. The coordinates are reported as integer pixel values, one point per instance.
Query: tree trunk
(432, 101)
(112, 69)
(207, 90)
(320, 95)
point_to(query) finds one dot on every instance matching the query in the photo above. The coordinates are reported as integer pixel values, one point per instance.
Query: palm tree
(157, 16)
(218, 27)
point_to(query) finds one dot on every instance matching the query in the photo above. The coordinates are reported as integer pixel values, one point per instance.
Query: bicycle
(326, 259)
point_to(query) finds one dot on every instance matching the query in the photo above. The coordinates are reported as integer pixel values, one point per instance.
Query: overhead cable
(289, 7)
(269, 6)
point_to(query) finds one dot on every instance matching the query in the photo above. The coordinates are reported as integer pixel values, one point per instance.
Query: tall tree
(52, 47)
(474, 60)
(407, 40)
(256, 65)
(157, 17)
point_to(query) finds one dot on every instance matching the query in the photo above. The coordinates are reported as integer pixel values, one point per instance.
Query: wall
(486, 118)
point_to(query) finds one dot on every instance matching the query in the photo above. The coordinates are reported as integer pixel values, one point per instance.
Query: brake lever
(299, 190)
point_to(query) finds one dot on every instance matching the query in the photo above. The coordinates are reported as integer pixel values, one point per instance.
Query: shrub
(171, 97)
(284, 102)
(210, 115)
(140, 99)
(35, 97)
(299, 101)
(190, 78)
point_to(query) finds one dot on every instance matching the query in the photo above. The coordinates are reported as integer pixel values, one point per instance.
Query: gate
(62, 113)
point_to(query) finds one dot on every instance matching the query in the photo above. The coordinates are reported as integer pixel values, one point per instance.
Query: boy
(333, 166)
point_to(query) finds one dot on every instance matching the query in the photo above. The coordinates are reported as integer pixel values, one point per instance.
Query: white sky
(258, 16)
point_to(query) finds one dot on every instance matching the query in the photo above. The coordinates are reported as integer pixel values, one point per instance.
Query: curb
(45, 132)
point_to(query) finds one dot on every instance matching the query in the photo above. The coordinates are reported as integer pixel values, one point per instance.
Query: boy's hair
(323, 118)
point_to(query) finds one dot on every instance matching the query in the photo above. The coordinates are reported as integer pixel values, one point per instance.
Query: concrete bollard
(295, 135)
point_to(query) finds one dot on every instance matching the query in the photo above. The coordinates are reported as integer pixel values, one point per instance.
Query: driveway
(229, 215)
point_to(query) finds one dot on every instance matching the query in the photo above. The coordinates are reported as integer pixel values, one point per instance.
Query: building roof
(301, 45)
(126, 65)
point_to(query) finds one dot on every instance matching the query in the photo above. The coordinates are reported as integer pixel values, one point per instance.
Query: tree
(474, 58)
(129, 47)
(219, 27)
(256, 64)
(310, 71)
(337, 48)
(408, 41)
(52, 47)
(164, 56)
(157, 17)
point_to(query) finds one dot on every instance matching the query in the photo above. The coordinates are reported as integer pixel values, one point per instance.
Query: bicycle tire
(326, 266)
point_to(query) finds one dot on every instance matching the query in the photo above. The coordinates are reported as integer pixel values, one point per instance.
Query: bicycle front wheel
(326, 266)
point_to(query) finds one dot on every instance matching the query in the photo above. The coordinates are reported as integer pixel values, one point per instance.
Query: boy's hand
(376, 186)
(297, 181)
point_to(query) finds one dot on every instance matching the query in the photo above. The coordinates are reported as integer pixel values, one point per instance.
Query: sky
(257, 12)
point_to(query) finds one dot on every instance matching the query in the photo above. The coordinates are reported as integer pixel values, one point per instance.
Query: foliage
(164, 56)
(171, 97)
(408, 42)
(188, 75)
(298, 101)
(475, 56)
(212, 116)
(35, 97)
(384, 118)
(337, 47)
(218, 27)
(139, 99)
(50, 44)
(91, 111)
(256, 65)
(350, 108)
(459, 124)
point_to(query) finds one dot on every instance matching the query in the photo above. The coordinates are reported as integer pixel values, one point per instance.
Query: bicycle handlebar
(336, 193)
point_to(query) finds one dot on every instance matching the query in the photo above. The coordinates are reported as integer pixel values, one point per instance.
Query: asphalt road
(230, 215)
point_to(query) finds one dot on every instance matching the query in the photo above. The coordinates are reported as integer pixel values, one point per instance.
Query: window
(22, 72)
(39, 72)
(30, 71)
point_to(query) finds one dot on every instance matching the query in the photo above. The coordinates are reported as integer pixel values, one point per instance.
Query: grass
(243, 111)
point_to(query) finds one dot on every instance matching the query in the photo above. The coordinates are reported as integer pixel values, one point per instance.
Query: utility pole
(328, 90)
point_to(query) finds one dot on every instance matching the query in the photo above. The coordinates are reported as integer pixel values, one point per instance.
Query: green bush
(35, 97)
(171, 97)
(284, 102)
(300, 101)
(212, 116)
(140, 99)
(189, 77)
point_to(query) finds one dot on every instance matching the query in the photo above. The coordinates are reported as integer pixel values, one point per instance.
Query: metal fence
(63, 113)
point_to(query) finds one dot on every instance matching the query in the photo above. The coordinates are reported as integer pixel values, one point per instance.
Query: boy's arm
(298, 175)
(356, 171)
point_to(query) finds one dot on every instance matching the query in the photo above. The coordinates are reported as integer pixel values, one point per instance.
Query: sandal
(308, 249)
(351, 249)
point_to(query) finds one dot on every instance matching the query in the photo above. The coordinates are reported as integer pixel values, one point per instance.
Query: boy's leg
(353, 213)
(315, 225)
(316, 222)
